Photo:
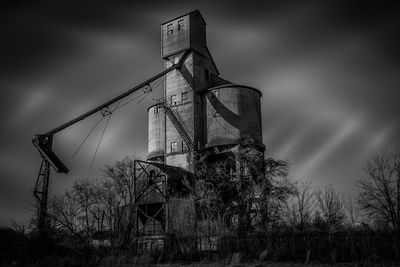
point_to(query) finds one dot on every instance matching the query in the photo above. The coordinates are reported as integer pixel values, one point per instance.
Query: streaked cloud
(329, 73)
(329, 147)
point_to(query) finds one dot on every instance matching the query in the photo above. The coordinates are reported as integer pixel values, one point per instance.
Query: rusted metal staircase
(184, 131)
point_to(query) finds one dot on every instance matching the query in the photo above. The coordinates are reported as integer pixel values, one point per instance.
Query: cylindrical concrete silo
(156, 136)
(233, 111)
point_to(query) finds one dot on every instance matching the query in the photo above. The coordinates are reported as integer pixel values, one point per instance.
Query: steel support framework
(150, 185)
(42, 189)
(150, 181)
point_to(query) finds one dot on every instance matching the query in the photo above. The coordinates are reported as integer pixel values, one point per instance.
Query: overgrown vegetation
(261, 215)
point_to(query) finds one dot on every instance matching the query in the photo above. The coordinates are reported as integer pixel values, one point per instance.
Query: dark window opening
(172, 100)
(180, 24)
(184, 97)
(206, 75)
(170, 30)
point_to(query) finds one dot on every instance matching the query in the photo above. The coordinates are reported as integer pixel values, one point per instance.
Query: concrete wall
(233, 111)
(173, 39)
(156, 134)
(216, 117)
(176, 84)
(192, 79)
(183, 33)
(219, 114)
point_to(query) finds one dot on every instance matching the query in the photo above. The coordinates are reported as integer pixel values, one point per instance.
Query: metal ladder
(185, 132)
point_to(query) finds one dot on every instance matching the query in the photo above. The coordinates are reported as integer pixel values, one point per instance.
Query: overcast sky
(329, 74)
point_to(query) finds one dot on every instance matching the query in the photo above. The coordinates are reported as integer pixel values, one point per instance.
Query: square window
(172, 100)
(180, 24)
(157, 109)
(184, 97)
(170, 30)
(174, 147)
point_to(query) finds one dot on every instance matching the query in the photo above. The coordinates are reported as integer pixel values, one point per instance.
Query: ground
(282, 264)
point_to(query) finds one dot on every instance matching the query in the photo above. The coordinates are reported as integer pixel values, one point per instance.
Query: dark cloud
(329, 72)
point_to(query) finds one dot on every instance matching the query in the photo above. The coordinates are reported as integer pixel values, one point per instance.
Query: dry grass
(280, 264)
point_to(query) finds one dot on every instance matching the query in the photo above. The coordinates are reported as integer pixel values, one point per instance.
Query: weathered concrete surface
(216, 112)
(233, 111)
(183, 87)
(156, 133)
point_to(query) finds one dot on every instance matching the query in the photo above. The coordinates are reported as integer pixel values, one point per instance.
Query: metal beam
(117, 98)
(43, 142)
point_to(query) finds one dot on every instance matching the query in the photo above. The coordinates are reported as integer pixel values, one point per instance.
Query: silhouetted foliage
(275, 188)
(380, 189)
(256, 209)
(330, 208)
(301, 206)
(251, 197)
(104, 206)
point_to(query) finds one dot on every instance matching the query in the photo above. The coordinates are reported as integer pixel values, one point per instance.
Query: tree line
(262, 211)
(254, 203)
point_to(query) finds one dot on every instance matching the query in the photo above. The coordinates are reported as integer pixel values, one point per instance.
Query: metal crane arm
(115, 99)
(43, 141)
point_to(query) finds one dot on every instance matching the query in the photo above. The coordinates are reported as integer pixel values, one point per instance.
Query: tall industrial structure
(213, 114)
(201, 118)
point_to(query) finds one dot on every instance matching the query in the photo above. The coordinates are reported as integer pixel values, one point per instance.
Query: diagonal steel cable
(118, 106)
(102, 134)
(101, 138)
(87, 136)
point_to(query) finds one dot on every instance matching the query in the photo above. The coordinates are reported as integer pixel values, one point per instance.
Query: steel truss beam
(42, 189)
(148, 181)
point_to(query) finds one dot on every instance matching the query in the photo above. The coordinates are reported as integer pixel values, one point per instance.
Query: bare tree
(275, 188)
(83, 210)
(64, 213)
(351, 210)
(380, 189)
(330, 207)
(83, 192)
(105, 205)
(121, 174)
(119, 198)
(300, 205)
